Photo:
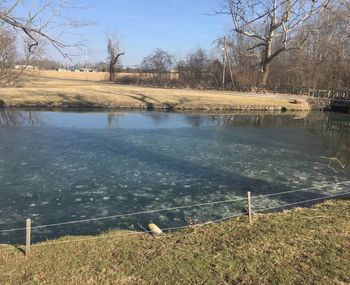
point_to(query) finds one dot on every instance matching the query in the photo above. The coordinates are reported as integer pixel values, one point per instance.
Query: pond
(62, 166)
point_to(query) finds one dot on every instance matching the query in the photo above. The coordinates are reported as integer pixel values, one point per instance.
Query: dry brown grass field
(86, 76)
(72, 89)
(93, 76)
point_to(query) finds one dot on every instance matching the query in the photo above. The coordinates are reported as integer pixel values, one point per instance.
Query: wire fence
(135, 233)
(255, 208)
(173, 208)
(127, 214)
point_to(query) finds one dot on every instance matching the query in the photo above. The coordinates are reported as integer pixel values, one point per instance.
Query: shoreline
(80, 109)
(199, 109)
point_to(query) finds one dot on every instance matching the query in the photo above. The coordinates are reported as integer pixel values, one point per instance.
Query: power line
(127, 214)
(129, 234)
(168, 209)
(299, 190)
(183, 227)
(301, 202)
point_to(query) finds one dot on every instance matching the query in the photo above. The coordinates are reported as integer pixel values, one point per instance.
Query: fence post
(250, 208)
(28, 236)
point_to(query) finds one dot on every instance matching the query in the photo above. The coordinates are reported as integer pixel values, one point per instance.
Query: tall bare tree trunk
(283, 18)
(266, 62)
(111, 72)
(113, 49)
(112, 63)
(265, 74)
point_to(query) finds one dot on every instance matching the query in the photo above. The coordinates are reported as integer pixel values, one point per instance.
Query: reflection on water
(19, 118)
(61, 166)
(333, 129)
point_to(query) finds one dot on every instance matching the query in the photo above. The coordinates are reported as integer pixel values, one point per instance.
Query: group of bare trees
(284, 43)
(26, 27)
(160, 68)
(295, 43)
(301, 43)
(273, 27)
(7, 56)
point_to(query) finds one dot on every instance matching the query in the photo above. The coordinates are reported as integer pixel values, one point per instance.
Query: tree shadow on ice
(239, 184)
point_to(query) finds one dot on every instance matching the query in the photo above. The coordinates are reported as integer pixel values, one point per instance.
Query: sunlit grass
(68, 89)
(301, 246)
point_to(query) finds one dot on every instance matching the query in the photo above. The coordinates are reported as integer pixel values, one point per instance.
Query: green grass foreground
(300, 246)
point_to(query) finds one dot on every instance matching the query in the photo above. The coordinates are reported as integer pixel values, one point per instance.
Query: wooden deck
(339, 98)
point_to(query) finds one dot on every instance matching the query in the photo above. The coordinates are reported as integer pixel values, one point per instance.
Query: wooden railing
(338, 94)
(272, 89)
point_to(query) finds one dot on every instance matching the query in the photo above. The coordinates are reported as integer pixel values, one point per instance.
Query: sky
(177, 26)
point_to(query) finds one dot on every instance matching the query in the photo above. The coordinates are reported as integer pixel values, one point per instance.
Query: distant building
(86, 70)
(83, 70)
(26, 67)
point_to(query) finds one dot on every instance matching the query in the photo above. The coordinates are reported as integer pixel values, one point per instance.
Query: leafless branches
(31, 25)
(158, 64)
(7, 55)
(114, 53)
(272, 25)
(37, 21)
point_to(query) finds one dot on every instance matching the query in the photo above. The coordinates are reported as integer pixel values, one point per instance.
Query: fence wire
(173, 208)
(128, 214)
(302, 202)
(185, 226)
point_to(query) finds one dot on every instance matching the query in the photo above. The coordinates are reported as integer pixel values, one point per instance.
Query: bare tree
(215, 72)
(114, 53)
(158, 63)
(39, 21)
(7, 56)
(100, 66)
(245, 65)
(272, 25)
(197, 64)
(32, 25)
(13, 65)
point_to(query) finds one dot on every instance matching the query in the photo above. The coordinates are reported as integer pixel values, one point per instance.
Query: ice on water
(56, 173)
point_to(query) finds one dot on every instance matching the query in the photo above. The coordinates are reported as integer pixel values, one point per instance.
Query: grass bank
(70, 90)
(300, 246)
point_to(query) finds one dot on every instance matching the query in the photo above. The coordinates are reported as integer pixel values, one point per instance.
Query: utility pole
(86, 64)
(229, 64)
(224, 64)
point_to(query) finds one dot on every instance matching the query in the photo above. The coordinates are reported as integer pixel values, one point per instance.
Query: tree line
(299, 44)
(27, 28)
(277, 43)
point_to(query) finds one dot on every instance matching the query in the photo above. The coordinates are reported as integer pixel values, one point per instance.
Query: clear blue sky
(177, 26)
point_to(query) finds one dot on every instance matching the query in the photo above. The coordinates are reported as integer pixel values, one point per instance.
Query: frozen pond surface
(58, 166)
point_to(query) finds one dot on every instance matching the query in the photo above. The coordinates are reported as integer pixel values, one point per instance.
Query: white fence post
(250, 208)
(28, 236)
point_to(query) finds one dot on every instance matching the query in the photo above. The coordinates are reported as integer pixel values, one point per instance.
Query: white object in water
(155, 230)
